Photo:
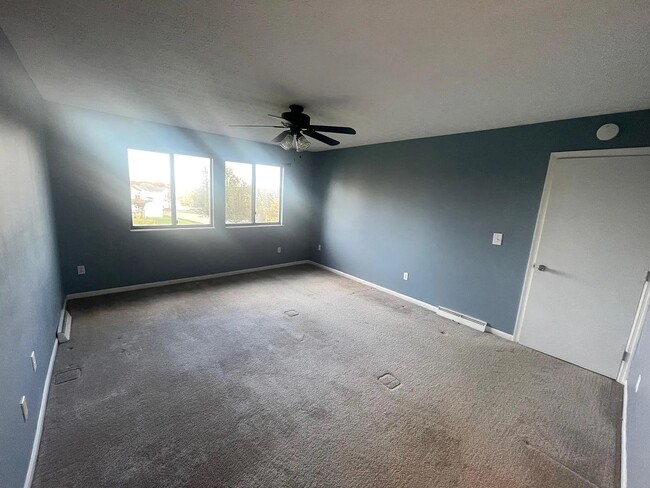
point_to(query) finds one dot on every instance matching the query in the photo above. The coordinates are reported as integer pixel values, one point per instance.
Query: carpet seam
(575, 473)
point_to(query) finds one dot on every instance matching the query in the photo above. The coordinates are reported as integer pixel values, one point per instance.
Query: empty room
(273, 243)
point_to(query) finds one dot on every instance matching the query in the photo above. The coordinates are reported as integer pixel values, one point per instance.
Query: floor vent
(389, 381)
(462, 319)
(63, 334)
(67, 375)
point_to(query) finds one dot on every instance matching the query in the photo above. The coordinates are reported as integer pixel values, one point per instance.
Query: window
(170, 190)
(253, 194)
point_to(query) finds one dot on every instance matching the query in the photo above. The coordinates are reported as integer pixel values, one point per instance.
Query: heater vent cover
(63, 334)
(472, 322)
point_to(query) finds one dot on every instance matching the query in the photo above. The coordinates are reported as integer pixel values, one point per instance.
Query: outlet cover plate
(23, 408)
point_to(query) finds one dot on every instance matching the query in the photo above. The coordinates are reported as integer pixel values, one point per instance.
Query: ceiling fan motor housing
(297, 117)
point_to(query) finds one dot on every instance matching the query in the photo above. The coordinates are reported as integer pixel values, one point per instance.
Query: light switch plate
(497, 238)
(81, 270)
(405, 276)
(319, 247)
(23, 408)
(279, 249)
(32, 356)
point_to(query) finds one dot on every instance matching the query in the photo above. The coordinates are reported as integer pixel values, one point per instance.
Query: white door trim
(537, 236)
(635, 333)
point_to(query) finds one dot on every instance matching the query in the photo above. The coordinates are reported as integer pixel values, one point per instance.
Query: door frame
(644, 303)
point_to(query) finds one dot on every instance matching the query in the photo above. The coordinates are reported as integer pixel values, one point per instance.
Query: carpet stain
(209, 384)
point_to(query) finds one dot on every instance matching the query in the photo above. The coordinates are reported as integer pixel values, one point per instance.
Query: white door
(591, 257)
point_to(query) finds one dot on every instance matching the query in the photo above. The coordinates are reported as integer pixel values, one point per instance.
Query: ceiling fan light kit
(287, 142)
(297, 125)
(294, 141)
(301, 143)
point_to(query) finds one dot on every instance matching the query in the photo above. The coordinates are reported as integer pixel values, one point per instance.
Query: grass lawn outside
(142, 222)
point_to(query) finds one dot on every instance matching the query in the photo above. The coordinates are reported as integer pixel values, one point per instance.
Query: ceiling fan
(297, 126)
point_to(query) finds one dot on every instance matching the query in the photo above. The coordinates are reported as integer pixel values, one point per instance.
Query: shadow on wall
(88, 155)
(30, 295)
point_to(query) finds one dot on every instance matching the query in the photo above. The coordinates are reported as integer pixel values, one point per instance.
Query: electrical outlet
(405, 277)
(497, 239)
(319, 247)
(81, 270)
(33, 358)
(23, 408)
(279, 249)
(638, 383)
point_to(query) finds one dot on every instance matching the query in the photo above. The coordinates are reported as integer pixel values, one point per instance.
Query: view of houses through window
(169, 189)
(253, 193)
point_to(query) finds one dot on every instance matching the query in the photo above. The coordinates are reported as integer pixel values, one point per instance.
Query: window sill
(169, 227)
(248, 226)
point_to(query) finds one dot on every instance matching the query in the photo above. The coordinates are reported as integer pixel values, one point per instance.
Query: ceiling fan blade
(284, 121)
(321, 137)
(270, 126)
(333, 129)
(281, 136)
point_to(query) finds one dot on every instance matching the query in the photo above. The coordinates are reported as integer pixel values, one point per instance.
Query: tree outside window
(253, 193)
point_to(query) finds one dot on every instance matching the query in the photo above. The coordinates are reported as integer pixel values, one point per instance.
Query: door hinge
(626, 356)
(647, 276)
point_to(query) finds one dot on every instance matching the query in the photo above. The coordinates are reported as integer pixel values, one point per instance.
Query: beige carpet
(214, 384)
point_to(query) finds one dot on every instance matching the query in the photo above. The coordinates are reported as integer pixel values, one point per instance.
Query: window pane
(239, 193)
(192, 186)
(268, 181)
(150, 189)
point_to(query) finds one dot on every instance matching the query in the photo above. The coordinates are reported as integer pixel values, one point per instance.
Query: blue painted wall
(87, 152)
(638, 414)
(426, 206)
(30, 297)
(430, 206)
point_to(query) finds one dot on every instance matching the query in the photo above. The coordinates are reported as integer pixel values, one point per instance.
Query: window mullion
(172, 189)
(281, 196)
(253, 210)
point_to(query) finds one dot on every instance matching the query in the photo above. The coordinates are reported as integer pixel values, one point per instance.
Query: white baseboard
(415, 301)
(41, 418)
(624, 439)
(155, 284)
(499, 333)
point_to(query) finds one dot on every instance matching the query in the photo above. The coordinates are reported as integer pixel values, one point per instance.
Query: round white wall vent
(607, 132)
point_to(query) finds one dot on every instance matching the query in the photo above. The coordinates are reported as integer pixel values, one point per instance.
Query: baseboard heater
(63, 334)
(462, 318)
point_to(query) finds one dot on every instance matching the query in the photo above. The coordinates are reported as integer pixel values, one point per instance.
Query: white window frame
(254, 196)
(172, 194)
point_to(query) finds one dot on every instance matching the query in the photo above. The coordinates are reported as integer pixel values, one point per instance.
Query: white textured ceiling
(392, 69)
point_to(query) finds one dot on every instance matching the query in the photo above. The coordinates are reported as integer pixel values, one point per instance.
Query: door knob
(541, 267)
